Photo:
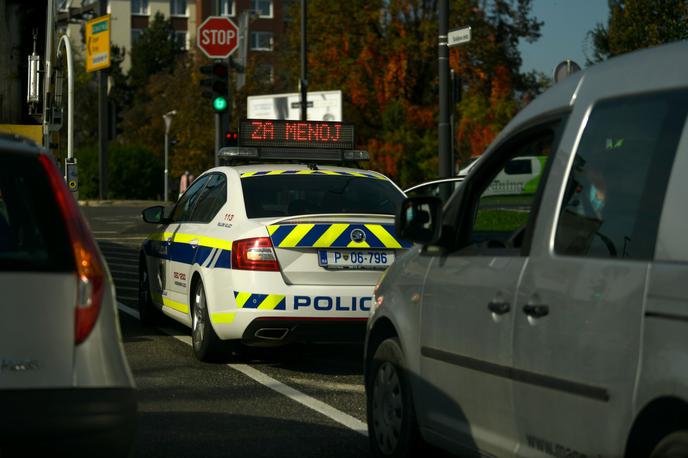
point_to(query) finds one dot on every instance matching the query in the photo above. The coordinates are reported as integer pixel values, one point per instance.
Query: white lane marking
(347, 387)
(334, 414)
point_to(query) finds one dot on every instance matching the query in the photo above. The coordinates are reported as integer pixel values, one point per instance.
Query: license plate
(355, 259)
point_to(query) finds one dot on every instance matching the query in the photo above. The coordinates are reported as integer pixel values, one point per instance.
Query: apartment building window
(263, 6)
(139, 7)
(135, 35)
(227, 8)
(180, 37)
(261, 41)
(178, 7)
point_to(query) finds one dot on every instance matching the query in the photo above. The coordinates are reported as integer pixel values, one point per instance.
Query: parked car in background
(551, 321)
(65, 385)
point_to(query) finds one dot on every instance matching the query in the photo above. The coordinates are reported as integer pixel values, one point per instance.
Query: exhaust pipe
(271, 333)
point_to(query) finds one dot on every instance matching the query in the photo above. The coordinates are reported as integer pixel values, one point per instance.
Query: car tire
(147, 311)
(207, 346)
(392, 426)
(674, 445)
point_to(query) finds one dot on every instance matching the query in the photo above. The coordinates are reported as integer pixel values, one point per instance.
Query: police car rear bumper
(67, 422)
(271, 331)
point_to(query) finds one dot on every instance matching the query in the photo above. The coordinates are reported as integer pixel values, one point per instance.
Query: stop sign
(218, 37)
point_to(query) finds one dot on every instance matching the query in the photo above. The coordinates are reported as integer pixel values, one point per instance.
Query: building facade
(129, 18)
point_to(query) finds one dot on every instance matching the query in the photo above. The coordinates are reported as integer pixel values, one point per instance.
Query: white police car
(271, 253)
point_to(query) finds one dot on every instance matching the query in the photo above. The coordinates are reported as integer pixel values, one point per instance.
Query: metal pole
(49, 29)
(218, 137)
(102, 124)
(64, 40)
(167, 177)
(304, 64)
(444, 130)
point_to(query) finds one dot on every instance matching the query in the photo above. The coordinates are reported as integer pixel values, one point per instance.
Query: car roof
(18, 144)
(240, 169)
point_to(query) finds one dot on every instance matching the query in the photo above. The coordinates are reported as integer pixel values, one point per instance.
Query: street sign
(459, 36)
(98, 43)
(217, 37)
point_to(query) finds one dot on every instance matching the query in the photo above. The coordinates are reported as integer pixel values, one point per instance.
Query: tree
(155, 51)
(636, 24)
(193, 129)
(382, 54)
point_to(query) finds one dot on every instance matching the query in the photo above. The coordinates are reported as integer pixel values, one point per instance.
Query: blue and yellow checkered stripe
(210, 252)
(334, 236)
(245, 300)
(373, 175)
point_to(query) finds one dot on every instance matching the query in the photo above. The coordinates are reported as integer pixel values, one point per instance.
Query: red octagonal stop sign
(218, 37)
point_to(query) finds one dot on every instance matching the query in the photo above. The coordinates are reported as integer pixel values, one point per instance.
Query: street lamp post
(167, 117)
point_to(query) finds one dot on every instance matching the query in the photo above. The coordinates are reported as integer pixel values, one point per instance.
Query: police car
(279, 249)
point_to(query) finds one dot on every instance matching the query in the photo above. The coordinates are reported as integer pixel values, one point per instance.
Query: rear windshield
(32, 234)
(291, 195)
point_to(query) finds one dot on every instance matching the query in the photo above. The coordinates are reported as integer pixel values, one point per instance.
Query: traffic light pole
(218, 136)
(102, 124)
(444, 131)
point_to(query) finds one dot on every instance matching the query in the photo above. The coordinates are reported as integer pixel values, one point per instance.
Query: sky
(563, 34)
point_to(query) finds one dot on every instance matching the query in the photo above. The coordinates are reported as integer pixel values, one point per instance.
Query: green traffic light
(220, 103)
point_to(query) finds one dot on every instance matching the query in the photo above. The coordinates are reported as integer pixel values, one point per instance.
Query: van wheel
(675, 445)
(392, 427)
(147, 311)
(207, 346)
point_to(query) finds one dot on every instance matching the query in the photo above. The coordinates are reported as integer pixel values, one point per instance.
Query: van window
(615, 190)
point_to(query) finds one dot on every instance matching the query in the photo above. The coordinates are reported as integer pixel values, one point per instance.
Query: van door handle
(536, 311)
(499, 308)
(194, 243)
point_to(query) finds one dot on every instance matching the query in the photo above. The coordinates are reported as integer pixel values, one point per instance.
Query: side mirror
(154, 215)
(420, 220)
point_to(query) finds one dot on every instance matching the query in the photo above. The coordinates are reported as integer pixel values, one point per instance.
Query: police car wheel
(675, 445)
(392, 427)
(207, 346)
(147, 311)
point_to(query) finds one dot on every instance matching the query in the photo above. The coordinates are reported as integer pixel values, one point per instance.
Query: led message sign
(302, 134)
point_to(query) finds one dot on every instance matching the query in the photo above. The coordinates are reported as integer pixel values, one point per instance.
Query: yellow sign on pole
(98, 43)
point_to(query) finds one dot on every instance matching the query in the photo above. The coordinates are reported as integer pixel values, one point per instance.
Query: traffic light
(231, 139)
(217, 83)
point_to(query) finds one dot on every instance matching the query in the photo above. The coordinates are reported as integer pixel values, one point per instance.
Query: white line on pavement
(334, 414)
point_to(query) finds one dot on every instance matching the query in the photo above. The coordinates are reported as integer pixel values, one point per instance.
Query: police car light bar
(236, 153)
(233, 152)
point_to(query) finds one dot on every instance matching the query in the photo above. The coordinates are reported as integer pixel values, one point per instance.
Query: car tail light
(90, 271)
(254, 254)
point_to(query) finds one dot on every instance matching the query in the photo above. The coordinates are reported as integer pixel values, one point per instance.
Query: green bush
(134, 173)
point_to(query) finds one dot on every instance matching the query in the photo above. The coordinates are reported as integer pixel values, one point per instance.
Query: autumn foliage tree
(636, 24)
(382, 54)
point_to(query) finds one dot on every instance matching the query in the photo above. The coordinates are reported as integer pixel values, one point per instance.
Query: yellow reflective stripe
(203, 241)
(272, 229)
(296, 235)
(270, 302)
(385, 237)
(159, 236)
(178, 306)
(241, 298)
(331, 172)
(353, 244)
(330, 235)
(356, 174)
(304, 172)
(247, 174)
(222, 318)
(275, 172)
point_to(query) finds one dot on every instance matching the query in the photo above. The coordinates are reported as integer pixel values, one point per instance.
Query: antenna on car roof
(313, 166)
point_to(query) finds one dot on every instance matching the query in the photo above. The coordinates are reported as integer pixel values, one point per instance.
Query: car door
(580, 304)
(192, 232)
(468, 305)
(180, 252)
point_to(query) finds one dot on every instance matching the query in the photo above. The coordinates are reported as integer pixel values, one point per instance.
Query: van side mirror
(155, 215)
(420, 220)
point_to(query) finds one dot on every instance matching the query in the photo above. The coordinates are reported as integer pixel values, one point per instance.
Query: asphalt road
(299, 401)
